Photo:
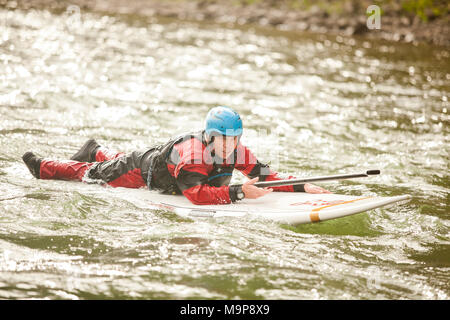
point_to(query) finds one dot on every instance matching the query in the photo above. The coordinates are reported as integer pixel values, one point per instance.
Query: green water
(311, 105)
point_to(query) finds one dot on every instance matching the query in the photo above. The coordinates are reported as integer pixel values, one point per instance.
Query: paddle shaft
(291, 182)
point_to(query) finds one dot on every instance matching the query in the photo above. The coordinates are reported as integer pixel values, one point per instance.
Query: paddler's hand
(310, 188)
(253, 192)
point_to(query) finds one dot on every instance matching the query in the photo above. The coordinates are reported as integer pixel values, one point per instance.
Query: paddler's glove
(299, 188)
(236, 193)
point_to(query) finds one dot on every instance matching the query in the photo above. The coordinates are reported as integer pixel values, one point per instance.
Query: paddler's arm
(250, 166)
(192, 181)
(264, 173)
(247, 163)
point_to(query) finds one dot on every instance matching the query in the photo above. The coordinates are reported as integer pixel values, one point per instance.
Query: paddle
(290, 182)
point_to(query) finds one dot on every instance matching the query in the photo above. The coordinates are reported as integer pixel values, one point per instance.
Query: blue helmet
(224, 121)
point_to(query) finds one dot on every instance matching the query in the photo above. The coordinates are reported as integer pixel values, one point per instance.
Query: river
(311, 104)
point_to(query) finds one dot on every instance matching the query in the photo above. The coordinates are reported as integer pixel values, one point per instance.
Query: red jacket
(203, 178)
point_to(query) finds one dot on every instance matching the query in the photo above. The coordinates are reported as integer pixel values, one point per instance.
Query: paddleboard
(285, 207)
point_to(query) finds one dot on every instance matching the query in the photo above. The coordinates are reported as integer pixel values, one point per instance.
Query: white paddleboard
(284, 207)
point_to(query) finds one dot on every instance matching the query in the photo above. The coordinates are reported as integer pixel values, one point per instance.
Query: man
(198, 165)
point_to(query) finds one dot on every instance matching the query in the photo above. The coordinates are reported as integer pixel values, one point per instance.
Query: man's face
(225, 145)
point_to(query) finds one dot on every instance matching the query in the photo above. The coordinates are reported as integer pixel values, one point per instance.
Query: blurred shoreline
(346, 17)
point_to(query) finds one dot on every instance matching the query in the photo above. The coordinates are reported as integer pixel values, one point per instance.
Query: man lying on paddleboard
(198, 165)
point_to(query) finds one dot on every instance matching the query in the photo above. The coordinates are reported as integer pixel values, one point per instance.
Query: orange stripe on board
(314, 215)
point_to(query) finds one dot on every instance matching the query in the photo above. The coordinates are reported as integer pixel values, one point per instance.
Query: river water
(311, 105)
